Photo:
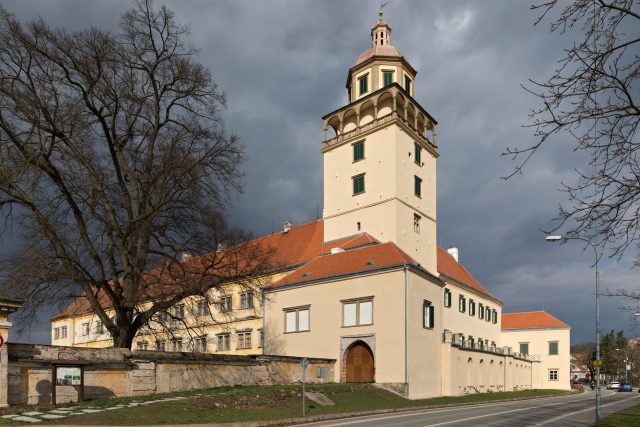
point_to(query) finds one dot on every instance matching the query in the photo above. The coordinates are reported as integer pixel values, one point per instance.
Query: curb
(342, 415)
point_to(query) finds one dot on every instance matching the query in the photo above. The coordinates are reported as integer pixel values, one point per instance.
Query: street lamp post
(597, 361)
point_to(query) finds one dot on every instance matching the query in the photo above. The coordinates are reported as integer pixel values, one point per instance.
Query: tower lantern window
(363, 83)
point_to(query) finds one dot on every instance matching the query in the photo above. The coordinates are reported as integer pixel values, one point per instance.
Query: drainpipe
(406, 334)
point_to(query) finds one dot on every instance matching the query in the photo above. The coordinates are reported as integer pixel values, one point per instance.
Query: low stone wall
(112, 372)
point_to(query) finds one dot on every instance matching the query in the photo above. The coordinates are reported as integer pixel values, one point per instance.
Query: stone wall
(114, 373)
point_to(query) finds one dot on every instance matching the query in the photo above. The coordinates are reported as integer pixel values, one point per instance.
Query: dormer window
(363, 84)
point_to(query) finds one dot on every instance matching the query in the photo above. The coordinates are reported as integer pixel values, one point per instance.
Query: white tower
(380, 160)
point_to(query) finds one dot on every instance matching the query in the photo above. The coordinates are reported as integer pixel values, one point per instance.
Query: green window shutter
(553, 348)
(524, 347)
(407, 84)
(431, 316)
(387, 77)
(364, 84)
(358, 151)
(417, 186)
(481, 311)
(358, 184)
(417, 153)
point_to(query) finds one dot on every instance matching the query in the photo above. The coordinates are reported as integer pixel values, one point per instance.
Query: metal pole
(597, 336)
(304, 406)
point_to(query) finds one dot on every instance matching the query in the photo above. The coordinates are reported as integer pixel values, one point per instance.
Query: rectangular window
(417, 154)
(358, 151)
(161, 345)
(524, 347)
(462, 304)
(494, 316)
(363, 84)
(387, 77)
(481, 311)
(462, 341)
(56, 333)
(260, 338)
(428, 315)
(472, 343)
(178, 311)
(553, 375)
(416, 223)
(487, 314)
(244, 340)
(296, 319)
(447, 297)
(177, 345)
(358, 184)
(224, 342)
(322, 372)
(202, 308)
(246, 300)
(553, 348)
(357, 312)
(200, 344)
(142, 345)
(417, 186)
(480, 343)
(98, 327)
(63, 332)
(85, 329)
(407, 84)
(472, 307)
(226, 303)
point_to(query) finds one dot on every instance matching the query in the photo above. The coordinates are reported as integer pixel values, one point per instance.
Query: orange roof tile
(359, 260)
(448, 266)
(303, 246)
(531, 320)
(290, 249)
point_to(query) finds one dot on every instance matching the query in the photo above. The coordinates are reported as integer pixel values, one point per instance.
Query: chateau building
(367, 285)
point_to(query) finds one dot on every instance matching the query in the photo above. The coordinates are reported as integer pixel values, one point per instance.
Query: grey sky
(283, 65)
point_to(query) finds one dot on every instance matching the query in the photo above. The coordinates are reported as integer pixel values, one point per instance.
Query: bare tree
(593, 96)
(114, 163)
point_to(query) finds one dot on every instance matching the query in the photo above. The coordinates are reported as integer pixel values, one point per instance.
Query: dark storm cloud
(283, 65)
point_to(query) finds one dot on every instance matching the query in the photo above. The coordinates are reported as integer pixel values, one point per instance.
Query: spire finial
(381, 12)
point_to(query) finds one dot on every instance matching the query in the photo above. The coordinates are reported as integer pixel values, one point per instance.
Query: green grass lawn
(629, 417)
(267, 403)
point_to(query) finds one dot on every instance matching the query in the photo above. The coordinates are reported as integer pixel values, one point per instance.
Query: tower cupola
(380, 65)
(380, 32)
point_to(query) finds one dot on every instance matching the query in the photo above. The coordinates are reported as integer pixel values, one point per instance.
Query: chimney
(287, 226)
(454, 253)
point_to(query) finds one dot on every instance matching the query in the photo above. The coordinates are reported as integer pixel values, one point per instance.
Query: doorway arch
(359, 362)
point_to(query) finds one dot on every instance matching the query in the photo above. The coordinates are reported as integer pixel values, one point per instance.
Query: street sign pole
(304, 363)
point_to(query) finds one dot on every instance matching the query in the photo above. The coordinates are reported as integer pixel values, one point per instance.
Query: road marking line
(496, 413)
(583, 410)
(367, 418)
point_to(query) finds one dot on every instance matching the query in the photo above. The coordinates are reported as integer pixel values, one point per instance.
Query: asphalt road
(566, 411)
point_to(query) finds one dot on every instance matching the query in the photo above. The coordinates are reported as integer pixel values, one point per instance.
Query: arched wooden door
(360, 366)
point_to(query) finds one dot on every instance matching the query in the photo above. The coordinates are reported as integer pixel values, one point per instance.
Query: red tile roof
(531, 320)
(448, 266)
(303, 247)
(290, 249)
(359, 260)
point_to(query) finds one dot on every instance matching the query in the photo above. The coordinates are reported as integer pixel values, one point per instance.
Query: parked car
(613, 385)
(625, 387)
